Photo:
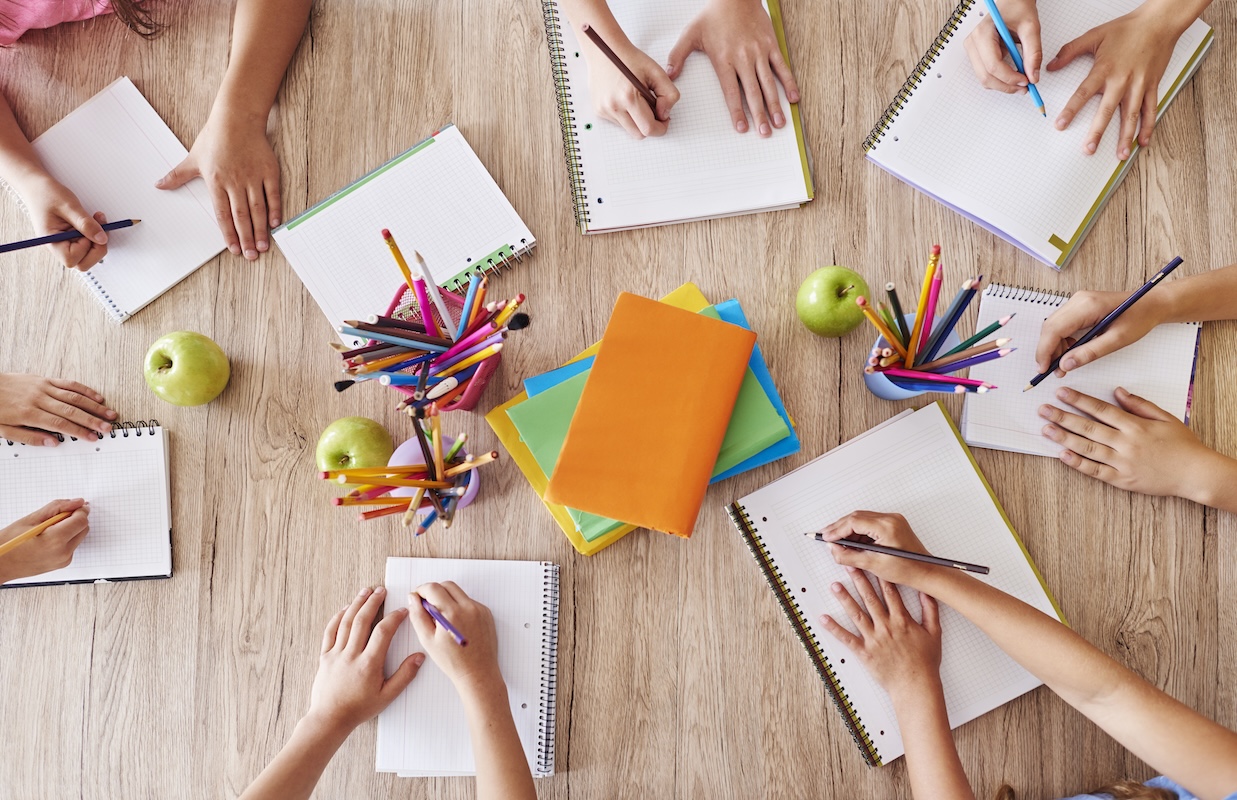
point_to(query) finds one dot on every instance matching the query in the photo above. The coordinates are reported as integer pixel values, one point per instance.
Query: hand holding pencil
(470, 668)
(622, 79)
(43, 541)
(888, 530)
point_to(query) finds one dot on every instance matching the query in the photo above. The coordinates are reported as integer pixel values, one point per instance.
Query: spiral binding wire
(566, 112)
(917, 75)
(790, 606)
(1024, 294)
(549, 672)
(102, 297)
(491, 266)
(120, 428)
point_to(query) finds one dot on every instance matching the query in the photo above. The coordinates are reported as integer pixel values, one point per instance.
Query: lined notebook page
(702, 167)
(1159, 367)
(917, 467)
(424, 732)
(110, 152)
(993, 158)
(436, 198)
(126, 482)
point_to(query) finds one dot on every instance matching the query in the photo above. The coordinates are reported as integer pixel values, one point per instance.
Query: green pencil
(988, 331)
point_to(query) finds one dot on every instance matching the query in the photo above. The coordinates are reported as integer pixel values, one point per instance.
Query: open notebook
(124, 476)
(110, 152)
(702, 168)
(1159, 367)
(424, 732)
(436, 198)
(915, 465)
(991, 157)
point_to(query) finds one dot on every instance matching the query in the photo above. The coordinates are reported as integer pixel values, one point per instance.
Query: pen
(1008, 38)
(63, 236)
(894, 551)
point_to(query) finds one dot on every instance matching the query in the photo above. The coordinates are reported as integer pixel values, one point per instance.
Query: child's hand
(902, 654)
(53, 209)
(235, 159)
(350, 686)
(989, 57)
(58, 406)
(891, 530)
(1139, 446)
(472, 666)
(51, 549)
(738, 37)
(1082, 312)
(1131, 53)
(615, 99)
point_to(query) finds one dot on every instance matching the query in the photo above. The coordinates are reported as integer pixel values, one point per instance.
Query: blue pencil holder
(886, 389)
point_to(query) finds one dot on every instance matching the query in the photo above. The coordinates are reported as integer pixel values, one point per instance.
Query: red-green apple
(352, 443)
(826, 301)
(186, 369)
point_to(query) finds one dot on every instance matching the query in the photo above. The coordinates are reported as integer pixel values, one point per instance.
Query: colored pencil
(949, 320)
(1012, 47)
(396, 322)
(945, 361)
(467, 466)
(890, 361)
(63, 236)
(879, 324)
(644, 91)
(370, 501)
(470, 300)
(912, 346)
(894, 551)
(424, 525)
(355, 472)
(392, 330)
(919, 386)
(443, 362)
(987, 331)
(398, 256)
(967, 363)
(478, 306)
(425, 448)
(431, 287)
(932, 377)
(407, 483)
(1103, 324)
(436, 441)
(505, 313)
(413, 507)
(456, 447)
(423, 306)
(389, 339)
(442, 400)
(934, 296)
(475, 358)
(386, 511)
(887, 316)
(33, 532)
(441, 620)
(895, 305)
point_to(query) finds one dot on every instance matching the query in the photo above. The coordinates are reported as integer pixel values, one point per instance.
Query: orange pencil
(478, 303)
(370, 501)
(404, 482)
(477, 461)
(374, 472)
(436, 440)
(381, 512)
(912, 347)
(33, 532)
(880, 325)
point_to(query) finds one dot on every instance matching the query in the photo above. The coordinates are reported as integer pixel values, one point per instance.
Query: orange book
(653, 415)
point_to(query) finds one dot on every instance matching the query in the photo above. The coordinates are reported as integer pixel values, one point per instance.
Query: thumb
(1140, 406)
(1071, 50)
(52, 509)
(684, 47)
(403, 676)
(181, 174)
(1032, 49)
(85, 224)
(1098, 347)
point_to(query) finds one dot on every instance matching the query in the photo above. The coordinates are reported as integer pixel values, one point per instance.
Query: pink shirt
(19, 16)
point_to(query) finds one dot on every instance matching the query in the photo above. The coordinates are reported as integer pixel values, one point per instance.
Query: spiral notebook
(702, 168)
(110, 152)
(991, 157)
(436, 198)
(1159, 367)
(125, 477)
(424, 732)
(915, 465)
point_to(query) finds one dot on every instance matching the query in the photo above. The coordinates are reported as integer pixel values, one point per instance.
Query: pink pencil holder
(404, 306)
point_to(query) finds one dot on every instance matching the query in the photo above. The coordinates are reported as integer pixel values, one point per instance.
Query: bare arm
(1209, 296)
(502, 768)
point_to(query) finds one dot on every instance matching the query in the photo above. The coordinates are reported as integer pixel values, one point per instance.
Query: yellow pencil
(512, 306)
(912, 347)
(475, 358)
(477, 461)
(411, 514)
(436, 438)
(405, 482)
(880, 325)
(33, 532)
(399, 259)
(370, 501)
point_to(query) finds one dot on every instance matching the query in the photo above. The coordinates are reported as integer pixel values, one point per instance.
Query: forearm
(1216, 483)
(265, 33)
(19, 164)
(597, 14)
(1209, 296)
(502, 768)
(1177, 15)
(295, 771)
(932, 761)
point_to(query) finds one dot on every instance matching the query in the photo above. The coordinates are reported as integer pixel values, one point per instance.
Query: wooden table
(678, 674)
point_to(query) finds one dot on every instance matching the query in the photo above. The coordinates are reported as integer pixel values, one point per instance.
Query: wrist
(1214, 482)
(483, 690)
(1173, 16)
(916, 691)
(321, 728)
(238, 110)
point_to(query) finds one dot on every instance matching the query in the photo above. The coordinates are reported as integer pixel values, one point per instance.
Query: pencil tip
(136, 221)
(1029, 387)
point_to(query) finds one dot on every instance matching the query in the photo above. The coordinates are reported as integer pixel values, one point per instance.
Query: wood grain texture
(678, 675)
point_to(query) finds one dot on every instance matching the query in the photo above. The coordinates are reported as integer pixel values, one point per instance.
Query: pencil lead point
(1028, 388)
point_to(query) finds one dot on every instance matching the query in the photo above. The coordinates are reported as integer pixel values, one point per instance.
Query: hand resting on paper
(32, 408)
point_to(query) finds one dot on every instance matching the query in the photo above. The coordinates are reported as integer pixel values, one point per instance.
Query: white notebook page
(916, 467)
(110, 152)
(1159, 367)
(125, 480)
(437, 199)
(702, 167)
(424, 732)
(992, 157)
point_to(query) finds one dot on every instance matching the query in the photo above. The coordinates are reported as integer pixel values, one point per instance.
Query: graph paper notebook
(702, 168)
(437, 198)
(1159, 367)
(424, 732)
(991, 157)
(110, 152)
(123, 475)
(948, 502)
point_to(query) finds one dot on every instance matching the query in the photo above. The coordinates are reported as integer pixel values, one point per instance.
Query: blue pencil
(382, 337)
(63, 236)
(950, 320)
(441, 620)
(1008, 38)
(469, 300)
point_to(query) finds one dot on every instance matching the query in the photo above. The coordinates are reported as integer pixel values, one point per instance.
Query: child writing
(51, 549)
(1198, 756)
(350, 688)
(736, 35)
(1135, 444)
(1131, 53)
(32, 408)
(231, 153)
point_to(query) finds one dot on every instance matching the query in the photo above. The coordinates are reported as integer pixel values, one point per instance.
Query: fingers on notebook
(853, 610)
(350, 614)
(223, 218)
(363, 622)
(987, 55)
(931, 614)
(27, 436)
(850, 640)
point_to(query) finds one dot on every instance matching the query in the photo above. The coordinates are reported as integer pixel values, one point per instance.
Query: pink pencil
(932, 377)
(427, 311)
(929, 313)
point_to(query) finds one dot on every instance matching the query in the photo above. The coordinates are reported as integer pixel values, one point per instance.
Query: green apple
(186, 369)
(826, 301)
(352, 443)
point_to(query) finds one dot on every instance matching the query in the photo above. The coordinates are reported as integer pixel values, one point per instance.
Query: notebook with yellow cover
(653, 415)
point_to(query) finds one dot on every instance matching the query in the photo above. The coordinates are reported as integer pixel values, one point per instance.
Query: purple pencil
(441, 620)
(973, 360)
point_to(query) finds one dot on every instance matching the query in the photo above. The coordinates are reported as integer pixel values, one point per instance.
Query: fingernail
(1022, 83)
(765, 130)
(1060, 123)
(1063, 393)
(110, 414)
(234, 249)
(1044, 412)
(100, 238)
(741, 126)
(263, 246)
(1125, 153)
(1090, 147)
(1121, 390)
(1069, 362)
(50, 441)
(779, 120)
(104, 427)
(1067, 456)
(837, 587)
(670, 69)
(1049, 431)
(418, 659)
(381, 590)
(251, 254)
(275, 222)
(364, 591)
(793, 97)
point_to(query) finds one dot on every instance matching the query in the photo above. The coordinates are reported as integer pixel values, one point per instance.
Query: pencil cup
(409, 454)
(404, 306)
(886, 389)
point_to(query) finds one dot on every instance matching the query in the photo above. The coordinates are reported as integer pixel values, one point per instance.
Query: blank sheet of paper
(436, 198)
(424, 732)
(702, 167)
(993, 158)
(914, 466)
(1159, 367)
(110, 152)
(124, 479)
